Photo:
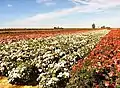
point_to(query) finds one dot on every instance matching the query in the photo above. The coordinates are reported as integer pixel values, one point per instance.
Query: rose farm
(72, 59)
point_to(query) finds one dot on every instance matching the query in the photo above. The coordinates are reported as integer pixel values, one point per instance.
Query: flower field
(101, 68)
(21, 34)
(79, 60)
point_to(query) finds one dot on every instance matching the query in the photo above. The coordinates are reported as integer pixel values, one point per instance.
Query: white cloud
(98, 3)
(50, 3)
(41, 17)
(46, 2)
(90, 6)
(9, 5)
(42, 1)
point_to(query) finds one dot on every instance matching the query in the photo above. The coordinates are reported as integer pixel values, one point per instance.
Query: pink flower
(111, 74)
(107, 83)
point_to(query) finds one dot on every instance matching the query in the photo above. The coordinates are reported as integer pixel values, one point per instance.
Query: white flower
(62, 53)
(2, 64)
(43, 64)
(60, 74)
(39, 57)
(65, 69)
(99, 64)
(22, 69)
(43, 78)
(62, 64)
(51, 65)
(71, 63)
(57, 65)
(42, 74)
(66, 74)
(55, 79)
(51, 47)
(46, 59)
(2, 68)
(55, 42)
(46, 55)
(38, 65)
(16, 75)
(57, 50)
(19, 59)
(17, 70)
(40, 70)
(63, 61)
(49, 82)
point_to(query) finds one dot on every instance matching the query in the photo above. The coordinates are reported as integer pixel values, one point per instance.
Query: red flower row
(105, 55)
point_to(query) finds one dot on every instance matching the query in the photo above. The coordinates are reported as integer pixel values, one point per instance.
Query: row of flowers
(16, 35)
(104, 62)
(47, 61)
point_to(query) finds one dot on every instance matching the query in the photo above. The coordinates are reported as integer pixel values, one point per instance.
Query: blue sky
(64, 13)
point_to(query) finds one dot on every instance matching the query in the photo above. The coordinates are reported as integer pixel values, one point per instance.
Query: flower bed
(16, 35)
(101, 69)
(47, 60)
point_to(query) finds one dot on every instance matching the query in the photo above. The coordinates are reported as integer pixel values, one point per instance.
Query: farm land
(20, 34)
(83, 58)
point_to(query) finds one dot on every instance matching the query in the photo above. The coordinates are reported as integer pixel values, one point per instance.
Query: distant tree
(93, 26)
(108, 27)
(55, 28)
(61, 28)
(103, 27)
(58, 27)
